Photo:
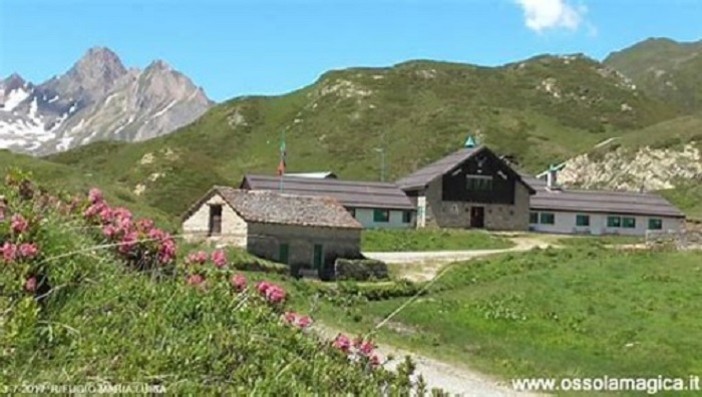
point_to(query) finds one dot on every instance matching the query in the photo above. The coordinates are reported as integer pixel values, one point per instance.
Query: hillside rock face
(97, 99)
(642, 169)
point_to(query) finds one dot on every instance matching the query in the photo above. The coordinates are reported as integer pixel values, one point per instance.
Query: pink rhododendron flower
(109, 231)
(262, 287)
(199, 258)
(275, 294)
(28, 250)
(375, 360)
(95, 195)
(195, 279)
(167, 252)
(219, 258)
(342, 343)
(366, 348)
(31, 284)
(128, 242)
(9, 252)
(238, 281)
(18, 224)
(105, 214)
(94, 209)
(297, 320)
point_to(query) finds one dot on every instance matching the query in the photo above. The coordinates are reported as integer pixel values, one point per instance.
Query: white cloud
(540, 15)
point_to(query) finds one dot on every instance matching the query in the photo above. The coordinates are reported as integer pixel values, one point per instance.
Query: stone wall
(234, 228)
(264, 241)
(686, 239)
(456, 214)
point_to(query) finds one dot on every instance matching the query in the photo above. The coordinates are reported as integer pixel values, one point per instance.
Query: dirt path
(422, 266)
(451, 378)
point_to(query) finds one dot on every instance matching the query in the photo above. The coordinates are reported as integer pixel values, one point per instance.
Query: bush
(341, 291)
(261, 266)
(360, 269)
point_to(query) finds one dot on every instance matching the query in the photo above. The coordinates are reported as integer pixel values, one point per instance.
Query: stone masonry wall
(456, 214)
(234, 228)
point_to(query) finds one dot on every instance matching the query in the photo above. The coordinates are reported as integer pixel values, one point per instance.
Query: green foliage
(383, 240)
(360, 269)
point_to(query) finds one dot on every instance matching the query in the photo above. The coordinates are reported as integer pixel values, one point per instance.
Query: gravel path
(425, 265)
(458, 381)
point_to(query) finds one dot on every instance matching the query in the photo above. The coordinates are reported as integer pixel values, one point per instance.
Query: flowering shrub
(140, 243)
(359, 349)
(297, 320)
(238, 282)
(271, 292)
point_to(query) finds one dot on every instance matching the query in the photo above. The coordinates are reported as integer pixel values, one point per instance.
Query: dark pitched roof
(282, 209)
(353, 194)
(609, 202)
(444, 165)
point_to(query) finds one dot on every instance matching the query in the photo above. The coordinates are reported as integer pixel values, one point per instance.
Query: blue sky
(233, 48)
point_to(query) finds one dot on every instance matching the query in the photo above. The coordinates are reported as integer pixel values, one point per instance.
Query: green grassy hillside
(73, 180)
(538, 111)
(664, 69)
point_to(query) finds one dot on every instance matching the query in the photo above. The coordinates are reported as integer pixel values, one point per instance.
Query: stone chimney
(552, 178)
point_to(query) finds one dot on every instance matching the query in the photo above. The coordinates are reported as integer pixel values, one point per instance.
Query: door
(318, 259)
(477, 217)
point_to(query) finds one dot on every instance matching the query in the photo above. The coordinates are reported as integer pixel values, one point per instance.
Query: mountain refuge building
(470, 188)
(308, 232)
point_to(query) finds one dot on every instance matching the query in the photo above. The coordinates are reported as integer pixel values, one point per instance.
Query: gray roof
(444, 165)
(601, 201)
(319, 175)
(283, 209)
(352, 194)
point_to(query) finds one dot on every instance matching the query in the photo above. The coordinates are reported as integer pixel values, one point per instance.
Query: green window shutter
(629, 223)
(547, 218)
(533, 218)
(407, 216)
(318, 259)
(380, 215)
(655, 224)
(614, 221)
(283, 253)
(582, 220)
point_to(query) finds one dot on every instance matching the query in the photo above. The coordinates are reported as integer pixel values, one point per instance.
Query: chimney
(551, 177)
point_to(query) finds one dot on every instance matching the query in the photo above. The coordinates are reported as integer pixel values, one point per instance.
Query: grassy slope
(573, 312)
(430, 240)
(420, 110)
(664, 69)
(55, 177)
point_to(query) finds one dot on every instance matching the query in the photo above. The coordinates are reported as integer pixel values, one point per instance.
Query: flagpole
(282, 159)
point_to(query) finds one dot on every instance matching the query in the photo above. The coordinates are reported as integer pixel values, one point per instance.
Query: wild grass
(384, 240)
(555, 313)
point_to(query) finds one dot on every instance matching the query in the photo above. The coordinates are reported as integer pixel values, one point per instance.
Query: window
(215, 224)
(614, 221)
(406, 216)
(352, 211)
(533, 218)
(582, 220)
(479, 182)
(629, 223)
(655, 224)
(547, 218)
(381, 215)
(283, 253)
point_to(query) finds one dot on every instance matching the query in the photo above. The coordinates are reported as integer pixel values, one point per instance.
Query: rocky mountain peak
(158, 65)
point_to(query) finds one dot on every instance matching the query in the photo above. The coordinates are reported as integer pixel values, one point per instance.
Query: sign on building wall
(421, 211)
